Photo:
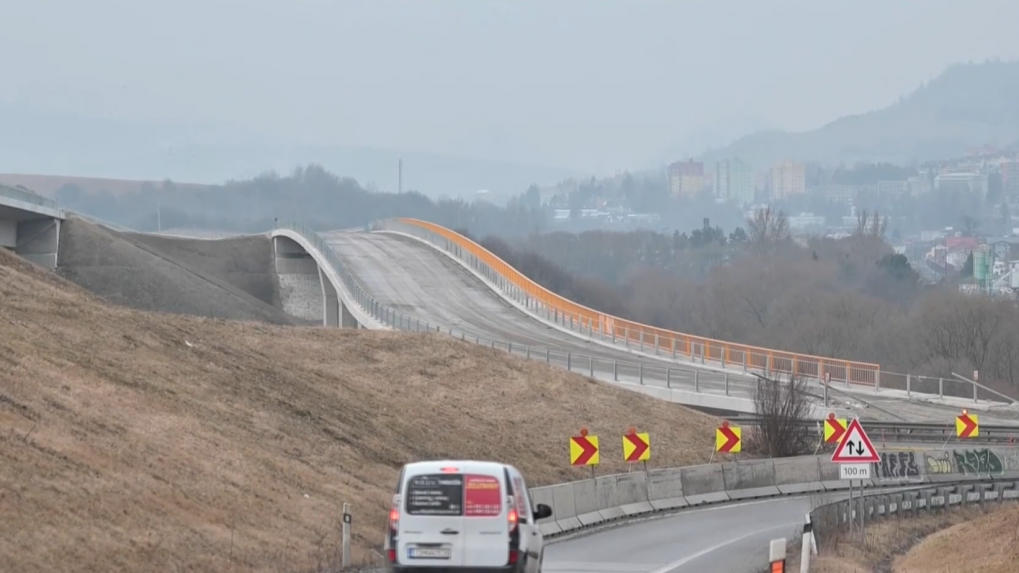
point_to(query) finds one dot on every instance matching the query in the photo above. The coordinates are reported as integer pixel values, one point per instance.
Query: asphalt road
(723, 539)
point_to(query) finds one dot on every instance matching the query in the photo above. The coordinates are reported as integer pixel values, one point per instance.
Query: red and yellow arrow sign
(584, 450)
(967, 425)
(834, 429)
(636, 447)
(728, 439)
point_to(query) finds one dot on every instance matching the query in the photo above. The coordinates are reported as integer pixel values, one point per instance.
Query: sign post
(854, 455)
(346, 535)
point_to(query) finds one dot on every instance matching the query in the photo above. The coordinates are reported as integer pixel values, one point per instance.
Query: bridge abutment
(305, 290)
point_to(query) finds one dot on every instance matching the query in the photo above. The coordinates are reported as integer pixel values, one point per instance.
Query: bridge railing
(27, 197)
(629, 333)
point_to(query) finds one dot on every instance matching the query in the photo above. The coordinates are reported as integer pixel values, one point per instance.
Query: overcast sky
(590, 85)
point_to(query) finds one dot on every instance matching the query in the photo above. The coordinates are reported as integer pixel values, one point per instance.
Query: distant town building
(734, 181)
(789, 178)
(919, 185)
(892, 189)
(836, 193)
(686, 178)
(962, 182)
(1010, 177)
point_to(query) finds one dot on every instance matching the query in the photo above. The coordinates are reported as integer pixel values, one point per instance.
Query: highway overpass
(30, 225)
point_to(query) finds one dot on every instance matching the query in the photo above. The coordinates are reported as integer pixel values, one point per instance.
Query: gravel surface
(301, 296)
(230, 279)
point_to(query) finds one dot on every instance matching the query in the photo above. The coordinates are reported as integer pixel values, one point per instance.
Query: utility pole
(399, 175)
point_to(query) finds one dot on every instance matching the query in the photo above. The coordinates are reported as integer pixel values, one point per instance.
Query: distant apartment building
(788, 179)
(686, 178)
(836, 193)
(734, 181)
(1010, 177)
(919, 185)
(892, 189)
(962, 182)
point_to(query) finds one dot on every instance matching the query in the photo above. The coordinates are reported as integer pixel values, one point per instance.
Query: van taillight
(391, 555)
(394, 514)
(512, 515)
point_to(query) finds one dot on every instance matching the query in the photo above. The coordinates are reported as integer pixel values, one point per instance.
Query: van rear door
(432, 529)
(486, 520)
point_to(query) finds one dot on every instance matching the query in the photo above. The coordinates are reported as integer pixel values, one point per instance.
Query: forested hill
(969, 105)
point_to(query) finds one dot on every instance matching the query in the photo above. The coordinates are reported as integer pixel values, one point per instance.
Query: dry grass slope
(132, 441)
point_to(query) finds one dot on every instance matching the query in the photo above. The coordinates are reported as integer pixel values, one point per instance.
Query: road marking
(677, 564)
(600, 567)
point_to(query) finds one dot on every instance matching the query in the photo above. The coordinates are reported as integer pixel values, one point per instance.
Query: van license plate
(428, 553)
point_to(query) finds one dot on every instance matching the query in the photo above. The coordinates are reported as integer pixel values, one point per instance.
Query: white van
(463, 516)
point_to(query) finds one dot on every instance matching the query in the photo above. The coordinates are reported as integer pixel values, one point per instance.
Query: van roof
(435, 466)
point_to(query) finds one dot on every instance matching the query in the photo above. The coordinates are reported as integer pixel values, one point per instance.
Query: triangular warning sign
(855, 447)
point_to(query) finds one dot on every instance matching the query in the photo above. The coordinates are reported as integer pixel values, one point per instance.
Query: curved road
(419, 281)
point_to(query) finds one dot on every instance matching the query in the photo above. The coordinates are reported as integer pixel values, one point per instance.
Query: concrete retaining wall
(587, 503)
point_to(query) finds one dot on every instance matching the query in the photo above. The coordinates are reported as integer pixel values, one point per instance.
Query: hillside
(967, 106)
(132, 441)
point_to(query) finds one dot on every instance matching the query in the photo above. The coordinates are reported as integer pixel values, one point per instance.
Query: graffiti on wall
(898, 465)
(978, 462)
(939, 464)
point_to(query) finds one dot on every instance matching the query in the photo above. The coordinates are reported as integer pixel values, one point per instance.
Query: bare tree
(869, 225)
(767, 228)
(782, 407)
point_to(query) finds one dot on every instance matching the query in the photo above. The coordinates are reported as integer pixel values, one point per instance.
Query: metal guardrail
(701, 381)
(27, 197)
(911, 432)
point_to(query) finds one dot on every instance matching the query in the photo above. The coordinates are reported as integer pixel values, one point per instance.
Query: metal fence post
(642, 340)
(697, 380)
(547, 360)
(668, 377)
(908, 377)
(615, 371)
(640, 373)
(673, 348)
(726, 383)
(527, 351)
(941, 387)
(590, 361)
(569, 362)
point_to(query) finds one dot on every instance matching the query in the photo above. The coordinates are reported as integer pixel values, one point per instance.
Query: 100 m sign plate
(854, 471)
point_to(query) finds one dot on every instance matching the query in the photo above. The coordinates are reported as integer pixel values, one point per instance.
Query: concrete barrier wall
(604, 499)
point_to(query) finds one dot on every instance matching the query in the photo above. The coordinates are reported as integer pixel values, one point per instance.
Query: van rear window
(435, 494)
(471, 495)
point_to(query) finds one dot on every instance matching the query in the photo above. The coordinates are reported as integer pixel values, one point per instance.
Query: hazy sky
(590, 85)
